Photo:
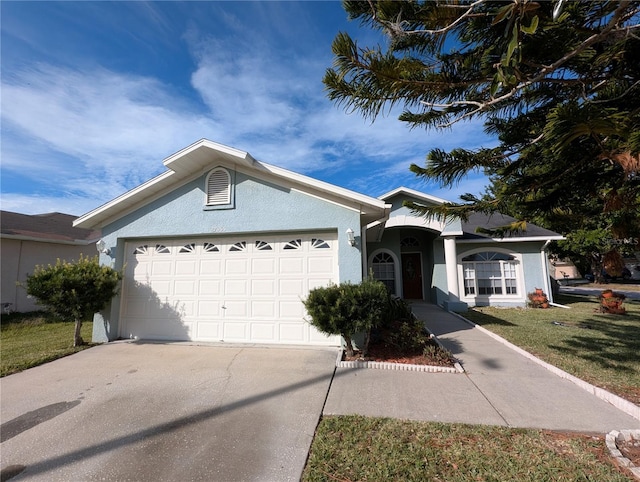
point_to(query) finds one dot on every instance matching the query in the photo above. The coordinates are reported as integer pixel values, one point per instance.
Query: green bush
(347, 309)
(74, 291)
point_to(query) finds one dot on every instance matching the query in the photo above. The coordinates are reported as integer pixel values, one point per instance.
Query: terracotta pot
(539, 291)
(544, 305)
(607, 294)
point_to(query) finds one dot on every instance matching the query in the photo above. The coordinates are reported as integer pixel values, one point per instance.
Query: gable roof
(196, 159)
(413, 193)
(468, 232)
(52, 227)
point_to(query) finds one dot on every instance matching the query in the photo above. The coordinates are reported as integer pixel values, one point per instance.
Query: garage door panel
(293, 309)
(291, 287)
(239, 266)
(292, 265)
(263, 332)
(209, 287)
(263, 266)
(208, 308)
(320, 264)
(263, 309)
(185, 287)
(209, 331)
(186, 268)
(235, 309)
(160, 287)
(235, 287)
(211, 267)
(223, 288)
(235, 331)
(292, 332)
(318, 282)
(161, 268)
(262, 287)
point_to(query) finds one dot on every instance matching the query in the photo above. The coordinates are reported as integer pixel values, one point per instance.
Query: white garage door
(240, 289)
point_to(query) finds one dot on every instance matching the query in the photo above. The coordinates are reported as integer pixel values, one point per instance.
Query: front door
(411, 276)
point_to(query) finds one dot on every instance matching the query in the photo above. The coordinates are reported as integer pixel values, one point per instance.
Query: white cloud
(94, 133)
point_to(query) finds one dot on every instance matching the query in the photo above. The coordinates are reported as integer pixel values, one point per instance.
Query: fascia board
(413, 193)
(130, 198)
(179, 160)
(74, 242)
(511, 240)
(323, 189)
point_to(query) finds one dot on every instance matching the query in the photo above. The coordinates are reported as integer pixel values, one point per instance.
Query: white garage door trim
(244, 289)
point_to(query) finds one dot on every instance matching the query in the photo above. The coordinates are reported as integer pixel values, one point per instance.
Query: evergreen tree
(558, 83)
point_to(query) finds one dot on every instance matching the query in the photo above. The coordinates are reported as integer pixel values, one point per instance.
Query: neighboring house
(41, 239)
(222, 247)
(564, 269)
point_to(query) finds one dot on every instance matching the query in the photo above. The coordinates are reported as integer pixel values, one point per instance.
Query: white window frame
(396, 268)
(227, 200)
(519, 272)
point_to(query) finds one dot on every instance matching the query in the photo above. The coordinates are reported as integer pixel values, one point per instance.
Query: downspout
(545, 264)
(545, 270)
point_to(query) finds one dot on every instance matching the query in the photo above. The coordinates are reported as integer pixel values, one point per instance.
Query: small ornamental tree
(348, 309)
(74, 291)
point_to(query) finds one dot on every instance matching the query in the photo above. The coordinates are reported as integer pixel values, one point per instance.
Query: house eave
(73, 242)
(413, 193)
(510, 240)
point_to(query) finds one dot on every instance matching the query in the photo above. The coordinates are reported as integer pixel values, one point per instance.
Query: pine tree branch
(615, 19)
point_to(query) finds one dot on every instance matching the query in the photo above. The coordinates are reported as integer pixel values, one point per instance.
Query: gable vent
(218, 187)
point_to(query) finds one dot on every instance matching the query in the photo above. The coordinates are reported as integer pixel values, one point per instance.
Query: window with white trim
(490, 273)
(218, 187)
(383, 268)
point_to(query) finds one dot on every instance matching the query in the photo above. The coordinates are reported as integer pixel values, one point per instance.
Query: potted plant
(611, 302)
(538, 299)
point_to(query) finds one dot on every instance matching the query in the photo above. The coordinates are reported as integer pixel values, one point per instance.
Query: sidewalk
(500, 387)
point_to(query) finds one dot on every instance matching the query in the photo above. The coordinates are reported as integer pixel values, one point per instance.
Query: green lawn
(350, 448)
(30, 339)
(602, 349)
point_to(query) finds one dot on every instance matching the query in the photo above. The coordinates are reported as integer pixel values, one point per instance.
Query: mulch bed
(380, 351)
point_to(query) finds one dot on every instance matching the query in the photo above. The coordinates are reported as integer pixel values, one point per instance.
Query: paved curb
(612, 440)
(395, 366)
(620, 403)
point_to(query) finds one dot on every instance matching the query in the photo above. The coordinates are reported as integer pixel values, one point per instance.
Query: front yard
(350, 448)
(601, 349)
(31, 339)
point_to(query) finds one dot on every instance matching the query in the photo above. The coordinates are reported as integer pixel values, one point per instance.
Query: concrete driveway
(136, 411)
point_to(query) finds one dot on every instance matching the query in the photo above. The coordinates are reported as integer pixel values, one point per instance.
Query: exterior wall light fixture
(351, 237)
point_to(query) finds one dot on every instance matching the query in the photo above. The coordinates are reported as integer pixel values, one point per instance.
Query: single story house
(27, 241)
(222, 247)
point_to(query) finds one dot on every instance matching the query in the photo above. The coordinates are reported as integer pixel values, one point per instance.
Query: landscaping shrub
(347, 309)
(74, 291)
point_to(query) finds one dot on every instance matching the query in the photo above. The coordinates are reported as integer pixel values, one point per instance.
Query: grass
(601, 349)
(350, 448)
(31, 339)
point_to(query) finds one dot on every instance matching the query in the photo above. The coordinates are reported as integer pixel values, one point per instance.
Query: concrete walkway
(500, 387)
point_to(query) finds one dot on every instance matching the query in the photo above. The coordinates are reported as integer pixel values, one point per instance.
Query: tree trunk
(365, 344)
(77, 339)
(348, 345)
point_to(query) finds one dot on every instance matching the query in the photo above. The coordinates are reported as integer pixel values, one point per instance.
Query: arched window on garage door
(383, 266)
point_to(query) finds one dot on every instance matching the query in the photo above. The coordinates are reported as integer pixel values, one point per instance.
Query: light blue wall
(259, 207)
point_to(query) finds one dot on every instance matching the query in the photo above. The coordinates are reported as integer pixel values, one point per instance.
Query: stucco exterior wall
(20, 257)
(260, 207)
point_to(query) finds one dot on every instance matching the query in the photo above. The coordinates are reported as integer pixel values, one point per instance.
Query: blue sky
(96, 94)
